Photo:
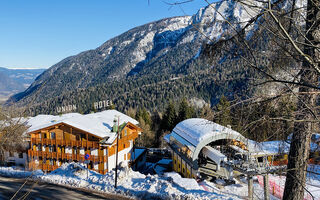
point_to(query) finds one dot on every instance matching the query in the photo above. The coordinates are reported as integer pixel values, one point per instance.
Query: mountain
(16, 80)
(160, 61)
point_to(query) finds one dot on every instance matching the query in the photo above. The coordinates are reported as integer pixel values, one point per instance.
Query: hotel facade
(55, 140)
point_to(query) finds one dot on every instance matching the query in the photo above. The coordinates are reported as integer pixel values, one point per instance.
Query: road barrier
(277, 190)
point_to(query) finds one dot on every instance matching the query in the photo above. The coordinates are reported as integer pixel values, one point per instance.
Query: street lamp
(115, 125)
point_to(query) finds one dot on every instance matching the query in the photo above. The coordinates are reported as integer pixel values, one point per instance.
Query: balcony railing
(44, 167)
(69, 156)
(76, 143)
(48, 167)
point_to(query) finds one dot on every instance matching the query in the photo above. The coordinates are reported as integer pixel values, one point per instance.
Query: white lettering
(73, 107)
(102, 104)
(95, 105)
(58, 109)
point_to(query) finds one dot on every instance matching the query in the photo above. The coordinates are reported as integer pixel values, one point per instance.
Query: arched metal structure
(189, 137)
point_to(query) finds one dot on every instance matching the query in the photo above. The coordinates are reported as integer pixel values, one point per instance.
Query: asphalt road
(39, 191)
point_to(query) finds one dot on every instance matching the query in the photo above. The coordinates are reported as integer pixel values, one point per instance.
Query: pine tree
(169, 117)
(185, 111)
(223, 116)
(144, 114)
(206, 112)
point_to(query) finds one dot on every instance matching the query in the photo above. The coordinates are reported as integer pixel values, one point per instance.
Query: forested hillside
(198, 58)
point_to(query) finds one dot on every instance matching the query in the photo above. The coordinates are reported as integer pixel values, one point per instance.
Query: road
(39, 191)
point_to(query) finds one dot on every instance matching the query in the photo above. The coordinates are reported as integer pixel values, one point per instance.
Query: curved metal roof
(200, 132)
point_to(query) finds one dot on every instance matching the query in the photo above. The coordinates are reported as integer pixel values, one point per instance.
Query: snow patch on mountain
(177, 23)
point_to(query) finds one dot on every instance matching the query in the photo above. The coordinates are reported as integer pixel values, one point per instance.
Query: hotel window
(53, 135)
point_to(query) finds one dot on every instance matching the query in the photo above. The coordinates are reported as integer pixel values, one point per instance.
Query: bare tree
(299, 43)
(309, 75)
(12, 130)
(293, 29)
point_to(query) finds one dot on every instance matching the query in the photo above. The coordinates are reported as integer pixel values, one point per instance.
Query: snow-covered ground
(130, 183)
(140, 186)
(17, 172)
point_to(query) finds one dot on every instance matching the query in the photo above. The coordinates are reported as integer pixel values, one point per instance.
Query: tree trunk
(300, 143)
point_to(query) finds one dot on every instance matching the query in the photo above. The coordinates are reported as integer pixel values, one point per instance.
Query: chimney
(115, 125)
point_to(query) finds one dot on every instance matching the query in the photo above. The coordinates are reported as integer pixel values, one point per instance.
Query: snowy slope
(136, 51)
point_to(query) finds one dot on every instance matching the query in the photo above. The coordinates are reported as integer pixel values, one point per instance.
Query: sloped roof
(99, 124)
(196, 130)
(196, 133)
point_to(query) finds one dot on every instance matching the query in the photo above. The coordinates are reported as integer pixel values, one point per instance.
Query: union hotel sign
(73, 107)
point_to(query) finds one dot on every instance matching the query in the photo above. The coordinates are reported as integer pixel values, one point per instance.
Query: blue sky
(40, 33)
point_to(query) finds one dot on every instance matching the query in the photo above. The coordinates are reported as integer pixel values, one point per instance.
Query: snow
(186, 183)
(169, 186)
(178, 23)
(137, 152)
(165, 161)
(99, 124)
(131, 183)
(196, 130)
(312, 185)
(275, 147)
(212, 19)
(16, 172)
(162, 166)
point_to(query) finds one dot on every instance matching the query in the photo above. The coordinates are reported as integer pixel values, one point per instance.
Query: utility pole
(250, 187)
(266, 186)
(116, 178)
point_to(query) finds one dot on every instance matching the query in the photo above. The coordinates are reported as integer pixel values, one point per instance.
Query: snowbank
(137, 185)
(186, 183)
(131, 183)
(16, 172)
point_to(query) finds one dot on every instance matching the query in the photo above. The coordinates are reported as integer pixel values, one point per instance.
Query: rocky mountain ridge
(152, 63)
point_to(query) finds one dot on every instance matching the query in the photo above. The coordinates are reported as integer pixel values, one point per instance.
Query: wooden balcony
(68, 156)
(48, 167)
(71, 143)
(44, 167)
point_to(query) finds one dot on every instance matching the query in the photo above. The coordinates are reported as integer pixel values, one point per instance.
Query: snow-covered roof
(196, 133)
(99, 124)
(196, 130)
(276, 147)
(137, 152)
